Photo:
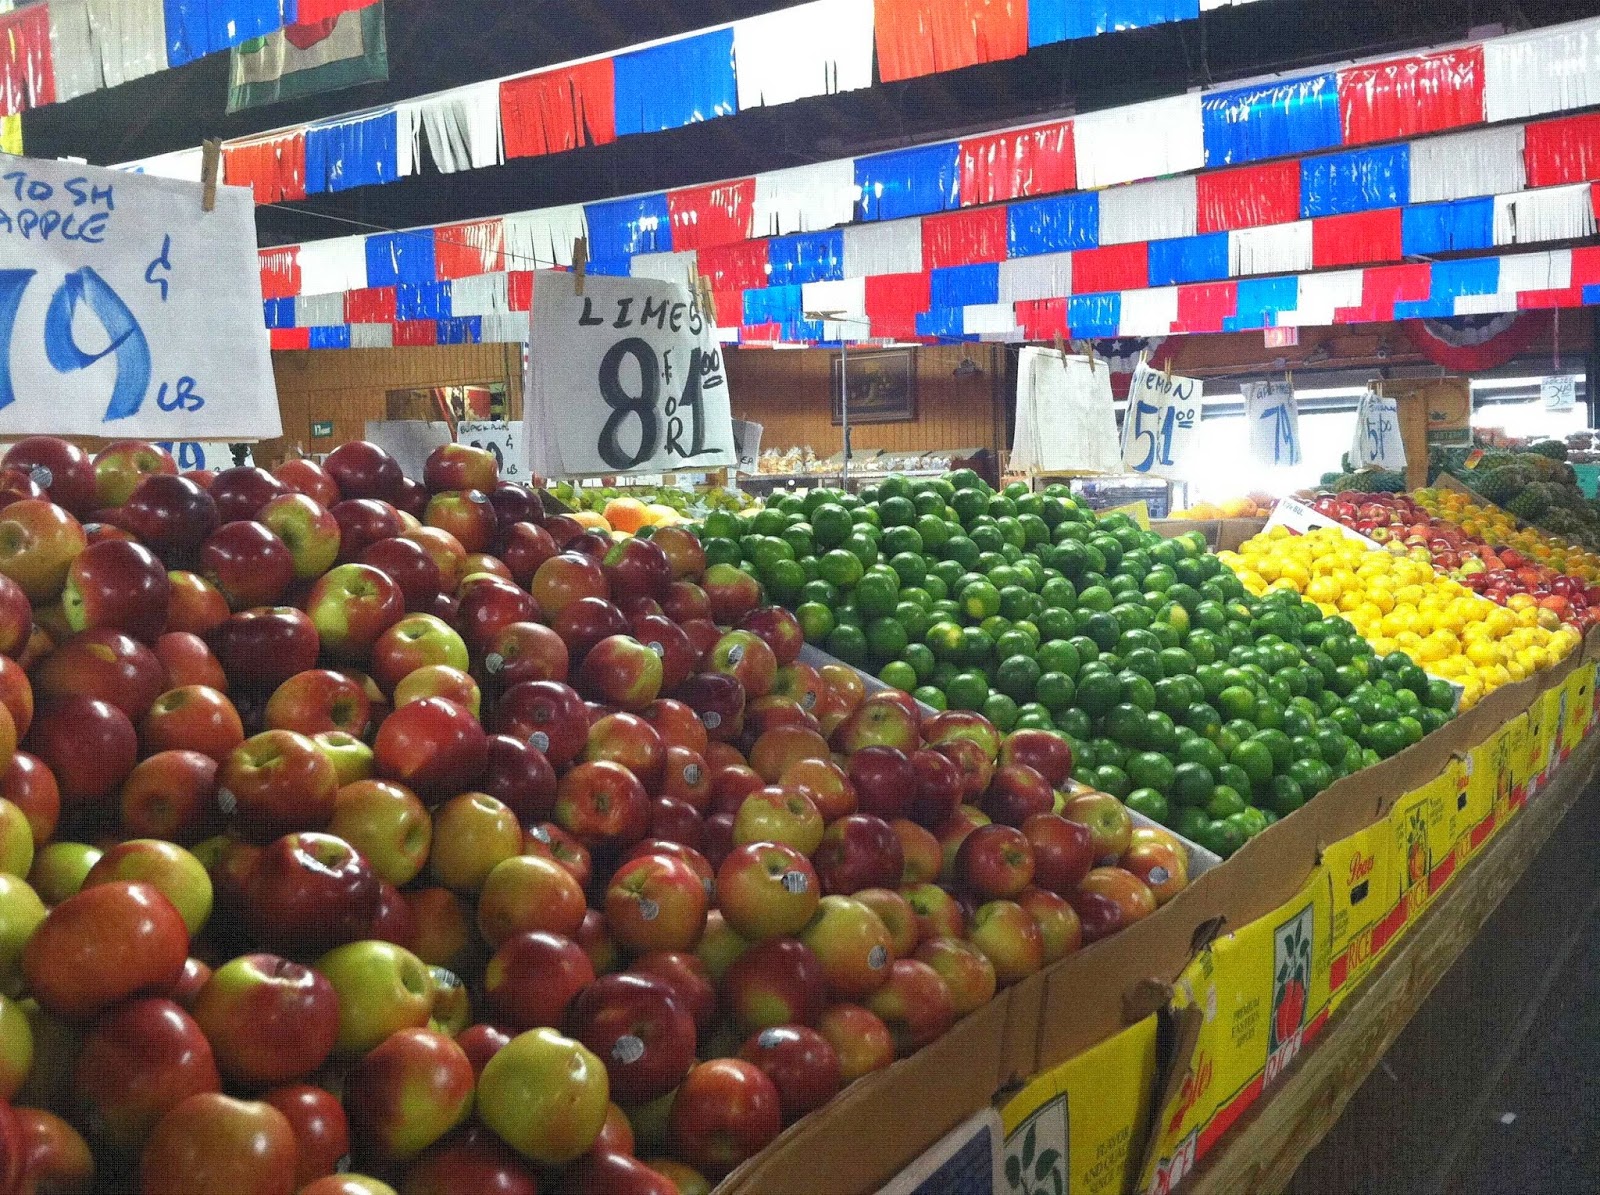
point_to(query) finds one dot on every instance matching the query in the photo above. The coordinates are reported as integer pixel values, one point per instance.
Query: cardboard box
(1254, 998)
(1579, 715)
(1364, 907)
(1080, 1127)
(1422, 843)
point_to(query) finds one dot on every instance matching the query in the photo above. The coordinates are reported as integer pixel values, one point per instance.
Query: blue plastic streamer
(1591, 295)
(334, 336)
(461, 329)
(676, 83)
(910, 182)
(1189, 259)
(396, 257)
(196, 28)
(1358, 181)
(801, 331)
(426, 300)
(1251, 124)
(1094, 315)
(1430, 228)
(1057, 224)
(947, 323)
(610, 267)
(961, 286)
(279, 312)
(1051, 21)
(1451, 280)
(355, 153)
(623, 227)
(1258, 301)
(806, 257)
(773, 305)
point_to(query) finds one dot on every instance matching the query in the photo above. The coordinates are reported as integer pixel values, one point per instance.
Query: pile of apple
(1401, 525)
(351, 824)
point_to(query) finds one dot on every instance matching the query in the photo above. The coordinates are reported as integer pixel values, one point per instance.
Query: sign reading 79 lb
(624, 378)
(1162, 422)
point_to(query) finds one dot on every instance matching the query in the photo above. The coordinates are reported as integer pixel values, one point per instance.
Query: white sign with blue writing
(215, 455)
(500, 438)
(1162, 423)
(126, 310)
(1377, 443)
(626, 377)
(1269, 409)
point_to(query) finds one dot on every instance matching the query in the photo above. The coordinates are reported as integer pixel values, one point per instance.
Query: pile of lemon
(1399, 604)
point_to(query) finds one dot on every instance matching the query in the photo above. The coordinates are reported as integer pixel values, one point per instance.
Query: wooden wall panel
(349, 387)
(788, 393)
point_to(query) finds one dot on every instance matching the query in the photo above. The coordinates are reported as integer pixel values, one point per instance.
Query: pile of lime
(1208, 709)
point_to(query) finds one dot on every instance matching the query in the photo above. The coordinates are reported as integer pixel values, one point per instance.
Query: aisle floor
(1494, 1087)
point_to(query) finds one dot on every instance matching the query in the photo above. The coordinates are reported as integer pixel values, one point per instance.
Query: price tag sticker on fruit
(127, 311)
(626, 377)
(501, 439)
(1161, 426)
(1377, 442)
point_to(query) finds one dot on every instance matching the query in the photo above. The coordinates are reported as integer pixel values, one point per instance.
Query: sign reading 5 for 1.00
(126, 310)
(1161, 424)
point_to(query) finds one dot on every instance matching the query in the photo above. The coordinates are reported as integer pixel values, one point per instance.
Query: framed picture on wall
(883, 387)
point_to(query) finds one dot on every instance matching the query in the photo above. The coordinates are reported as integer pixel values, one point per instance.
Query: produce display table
(1261, 1152)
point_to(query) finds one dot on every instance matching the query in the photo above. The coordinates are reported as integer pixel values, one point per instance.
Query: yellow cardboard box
(1081, 1126)
(1472, 819)
(1261, 995)
(1365, 908)
(1580, 711)
(1422, 842)
(1512, 759)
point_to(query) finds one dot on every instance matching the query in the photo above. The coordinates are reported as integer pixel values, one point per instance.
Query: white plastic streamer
(677, 268)
(319, 311)
(1047, 276)
(997, 320)
(376, 336)
(543, 238)
(1270, 249)
(1148, 312)
(1148, 211)
(463, 128)
(72, 50)
(130, 37)
(481, 294)
(1319, 295)
(1536, 271)
(1463, 165)
(1122, 145)
(892, 247)
(847, 298)
(505, 327)
(820, 48)
(334, 265)
(1548, 214)
(1545, 70)
(805, 198)
(182, 164)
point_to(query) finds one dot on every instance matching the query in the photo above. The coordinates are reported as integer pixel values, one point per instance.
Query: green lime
(1098, 692)
(1255, 759)
(1074, 722)
(899, 675)
(1224, 802)
(886, 638)
(1113, 780)
(816, 621)
(928, 695)
(1150, 769)
(1000, 709)
(849, 643)
(831, 525)
(1018, 677)
(840, 567)
(1150, 803)
(1285, 795)
(1124, 724)
(967, 691)
(876, 595)
(1236, 701)
(1192, 783)
(1054, 691)
(945, 639)
(921, 659)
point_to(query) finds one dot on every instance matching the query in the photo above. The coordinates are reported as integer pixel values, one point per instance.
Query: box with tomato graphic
(1366, 913)
(1508, 752)
(1080, 1127)
(1243, 1010)
(1422, 844)
(1472, 817)
(1579, 714)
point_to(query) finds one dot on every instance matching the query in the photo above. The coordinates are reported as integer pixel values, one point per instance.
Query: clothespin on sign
(1167, 373)
(580, 262)
(1061, 346)
(700, 289)
(1092, 357)
(210, 168)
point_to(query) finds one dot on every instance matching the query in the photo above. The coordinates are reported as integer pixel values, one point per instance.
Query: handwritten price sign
(125, 310)
(625, 378)
(503, 440)
(1377, 442)
(1274, 420)
(1162, 422)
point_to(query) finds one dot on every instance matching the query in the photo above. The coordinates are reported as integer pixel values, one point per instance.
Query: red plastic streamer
(742, 266)
(1248, 196)
(728, 307)
(1203, 306)
(416, 333)
(923, 37)
(1382, 288)
(1017, 164)
(1042, 319)
(370, 305)
(1383, 101)
(964, 238)
(519, 290)
(1544, 300)
(287, 339)
(27, 71)
(476, 247)
(311, 11)
(1114, 267)
(280, 272)
(275, 170)
(1586, 266)
(1563, 151)
(558, 110)
(704, 217)
(1356, 239)
(892, 302)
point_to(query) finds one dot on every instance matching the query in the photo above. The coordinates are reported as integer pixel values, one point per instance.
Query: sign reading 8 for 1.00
(126, 310)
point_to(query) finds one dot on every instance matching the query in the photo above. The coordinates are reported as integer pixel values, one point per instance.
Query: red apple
(719, 700)
(953, 725)
(275, 782)
(566, 578)
(139, 1060)
(525, 651)
(966, 971)
(172, 516)
(248, 563)
(59, 466)
(533, 977)
(1110, 898)
(362, 523)
(995, 862)
(431, 746)
(305, 476)
(524, 547)
(602, 804)
(897, 916)
(408, 1093)
(636, 568)
(309, 892)
(55, 1159)
(1108, 821)
(472, 834)
(241, 492)
(546, 714)
(884, 779)
(1058, 922)
(860, 1038)
(471, 1159)
(321, 1131)
(102, 945)
(852, 944)
(920, 849)
(381, 988)
(549, 841)
(732, 592)
(976, 768)
(639, 1026)
(858, 851)
(188, 661)
(89, 746)
(269, 1020)
(939, 914)
(260, 649)
(117, 585)
(656, 902)
(725, 1111)
(767, 890)
(466, 514)
(211, 1144)
(1045, 751)
(416, 641)
(316, 700)
(363, 470)
(544, 1095)
(1154, 856)
(307, 529)
(527, 893)
(826, 784)
(169, 795)
(351, 606)
(103, 664)
(877, 722)
(915, 1003)
(1017, 793)
(168, 868)
(1010, 938)
(1063, 851)
(31, 787)
(621, 671)
(686, 602)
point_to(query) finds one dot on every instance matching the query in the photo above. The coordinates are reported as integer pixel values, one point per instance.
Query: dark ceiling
(433, 45)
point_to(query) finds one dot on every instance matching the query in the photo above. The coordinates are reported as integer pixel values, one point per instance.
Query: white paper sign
(125, 310)
(747, 436)
(215, 455)
(502, 439)
(409, 441)
(1274, 420)
(1162, 422)
(625, 378)
(1377, 442)
(1559, 393)
(1065, 419)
